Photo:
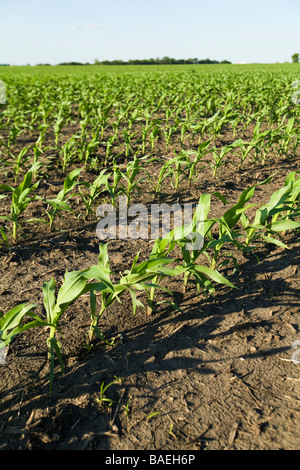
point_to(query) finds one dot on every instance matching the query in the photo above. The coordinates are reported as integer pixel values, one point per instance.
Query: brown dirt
(213, 375)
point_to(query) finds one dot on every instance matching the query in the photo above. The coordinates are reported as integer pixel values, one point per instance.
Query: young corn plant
(219, 154)
(179, 166)
(58, 125)
(147, 276)
(109, 294)
(102, 113)
(91, 146)
(277, 216)
(109, 148)
(141, 277)
(75, 284)
(290, 133)
(20, 161)
(95, 189)
(203, 149)
(133, 168)
(128, 142)
(229, 231)
(191, 240)
(176, 169)
(21, 196)
(4, 231)
(154, 135)
(11, 322)
(59, 203)
(68, 153)
(113, 187)
(201, 127)
(42, 135)
(103, 388)
(261, 140)
(168, 134)
(145, 132)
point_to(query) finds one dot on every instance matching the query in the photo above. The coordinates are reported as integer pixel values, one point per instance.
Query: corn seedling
(109, 148)
(174, 168)
(42, 135)
(219, 154)
(153, 135)
(168, 134)
(92, 145)
(277, 215)
(67, 153)
(128, 136)
(191, 240)
(228, 223)
(203, 149)
(132, 170)
(58, 204)
(113, 187)
(20, 161)
(11, 322)
(151, 415)
(138, 278)
(75, 284)
(95, 189)
(103, 388)
(57, 126)
(21, 196)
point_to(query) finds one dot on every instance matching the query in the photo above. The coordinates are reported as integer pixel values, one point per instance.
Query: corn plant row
(235, 231)
(83, 149)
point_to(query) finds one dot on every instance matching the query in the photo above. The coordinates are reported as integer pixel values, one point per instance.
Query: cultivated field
(136, 342)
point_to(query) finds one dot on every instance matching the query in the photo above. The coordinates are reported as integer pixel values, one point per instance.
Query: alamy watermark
(296, 354)
(3, 352)
(296, 94)
(137, 222)
(2, 92)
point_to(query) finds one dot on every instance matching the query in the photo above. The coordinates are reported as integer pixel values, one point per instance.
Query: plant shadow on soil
(153, 357)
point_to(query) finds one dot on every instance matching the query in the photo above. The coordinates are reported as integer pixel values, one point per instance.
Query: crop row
(235, 230)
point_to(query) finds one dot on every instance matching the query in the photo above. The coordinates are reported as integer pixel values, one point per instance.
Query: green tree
(295, 58)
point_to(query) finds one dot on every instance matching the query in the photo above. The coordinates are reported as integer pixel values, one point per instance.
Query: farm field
(137, 343)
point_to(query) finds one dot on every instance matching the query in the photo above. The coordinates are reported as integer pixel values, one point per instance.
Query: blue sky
(53, 31)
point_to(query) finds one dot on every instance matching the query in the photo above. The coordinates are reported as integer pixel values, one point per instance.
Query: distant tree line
(158, 61)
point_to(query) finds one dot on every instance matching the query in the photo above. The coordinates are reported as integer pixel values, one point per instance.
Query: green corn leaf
(99, 333)
(213, 274)
(72, 287)
(222, 198)
(274, 241)
(6, 187)
(13, 317)
(49, 300)
(11, 321)
(70, 180)
(282, 225)
(135, 302)
(103, 256)
(38, 322)
(58, 204)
